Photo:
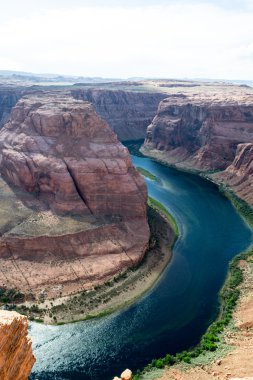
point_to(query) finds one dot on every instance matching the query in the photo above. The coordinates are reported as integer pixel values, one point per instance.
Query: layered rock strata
(16, 356)
(79, 212)
(239, 175)
(127, 113)
(206, 134)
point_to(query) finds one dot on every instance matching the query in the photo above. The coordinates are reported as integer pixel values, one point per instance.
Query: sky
(135, 38)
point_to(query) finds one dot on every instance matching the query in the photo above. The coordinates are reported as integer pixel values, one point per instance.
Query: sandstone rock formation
(239, 175)
(126, 375)
(201, 132)
(127, 113)
(16, 357)
(206, 134)
(80, 205)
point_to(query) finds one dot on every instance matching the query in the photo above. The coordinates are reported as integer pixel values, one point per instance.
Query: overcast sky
(134, 38)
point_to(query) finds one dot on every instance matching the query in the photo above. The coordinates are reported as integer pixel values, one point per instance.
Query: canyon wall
(8, 98)
(206, 134)
(239, 175)
(73, 207)
(16, 357)
(127, 113)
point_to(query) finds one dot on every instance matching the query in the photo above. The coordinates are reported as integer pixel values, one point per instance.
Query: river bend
(176, 312)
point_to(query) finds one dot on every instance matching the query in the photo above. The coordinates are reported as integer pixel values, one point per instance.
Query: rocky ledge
(209, 134)
(73, 207)
(16, 356)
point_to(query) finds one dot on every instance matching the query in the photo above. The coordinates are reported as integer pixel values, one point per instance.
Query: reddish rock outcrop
(239, 175)
(81, 205)
(206, 134)
(127, 113)
(200, 133)
(16, 357)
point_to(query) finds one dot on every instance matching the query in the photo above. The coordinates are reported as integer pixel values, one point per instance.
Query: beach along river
(174, 314)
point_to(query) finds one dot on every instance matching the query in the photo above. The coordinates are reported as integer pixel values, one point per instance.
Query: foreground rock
(16, 357)
(126, 375)
(79, 214)
(127, 113)
(207, 134)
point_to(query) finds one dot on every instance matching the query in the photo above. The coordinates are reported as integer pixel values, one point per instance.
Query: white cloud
(176, 40)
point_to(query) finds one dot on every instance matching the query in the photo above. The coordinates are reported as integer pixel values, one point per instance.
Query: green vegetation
(164, 212)
(241, 206)
(229, 296)
(10, 295)
(146, 173)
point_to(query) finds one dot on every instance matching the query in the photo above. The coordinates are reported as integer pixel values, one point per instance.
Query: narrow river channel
(175, 313)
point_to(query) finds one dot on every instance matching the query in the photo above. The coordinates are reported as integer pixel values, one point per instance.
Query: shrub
(159, 363)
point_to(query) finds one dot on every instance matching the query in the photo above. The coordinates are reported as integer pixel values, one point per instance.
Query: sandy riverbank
(118, 292)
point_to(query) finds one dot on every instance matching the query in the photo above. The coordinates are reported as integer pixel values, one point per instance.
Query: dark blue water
(176, 312)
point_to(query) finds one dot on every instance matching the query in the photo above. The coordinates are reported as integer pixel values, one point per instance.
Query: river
(176, 312)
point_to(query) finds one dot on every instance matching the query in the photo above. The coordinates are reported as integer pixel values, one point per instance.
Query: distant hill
(54, 78)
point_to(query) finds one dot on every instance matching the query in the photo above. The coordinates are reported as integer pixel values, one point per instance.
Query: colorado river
(176, 312)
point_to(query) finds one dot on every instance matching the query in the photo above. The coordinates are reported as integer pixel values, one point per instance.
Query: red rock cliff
(127, 113)
(80, 212)
(207, 134)
(203, 133)
(16, 357)
(239, 175)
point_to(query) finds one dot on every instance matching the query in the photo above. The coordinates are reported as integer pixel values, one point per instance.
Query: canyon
(78, 201)
(8, 98)
(206, 133)
(127, 112)
(72, 205)
(16, 356)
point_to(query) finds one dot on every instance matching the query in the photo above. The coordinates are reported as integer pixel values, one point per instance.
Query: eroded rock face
(81, 205)
(16, 356)
(203, 134)
(206, 134)
(61, 150)
(127, 113)
(239, 175)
